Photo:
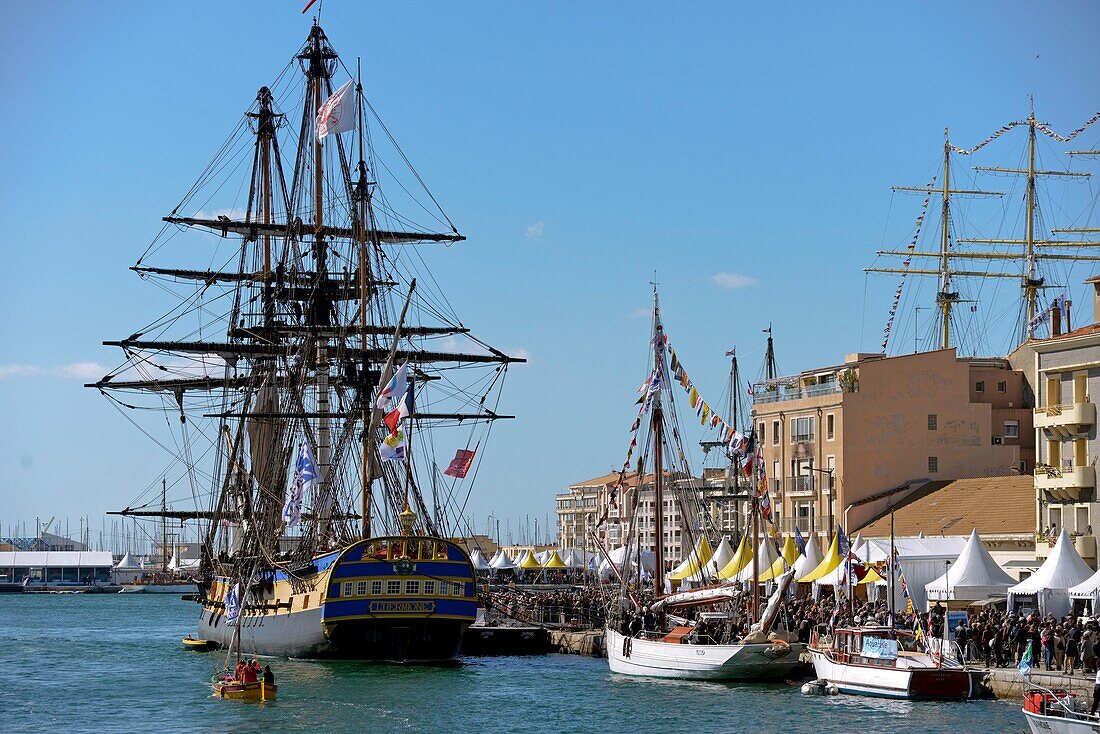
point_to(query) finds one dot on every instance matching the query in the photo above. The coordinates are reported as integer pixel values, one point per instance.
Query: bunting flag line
(1004, 129)
(912, 246)
(1042, 127)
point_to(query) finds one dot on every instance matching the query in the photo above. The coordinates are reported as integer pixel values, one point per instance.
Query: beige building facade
(838, 435)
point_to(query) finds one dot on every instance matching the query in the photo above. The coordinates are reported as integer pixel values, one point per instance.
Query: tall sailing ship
(313, 376)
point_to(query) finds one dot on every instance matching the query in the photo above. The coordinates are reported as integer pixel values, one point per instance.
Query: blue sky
(742, 151)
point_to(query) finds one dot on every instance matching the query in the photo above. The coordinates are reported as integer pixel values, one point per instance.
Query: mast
(362, 193)
(733, 470)
(893, 571)
(657, 422)
(163, 524)
(770, 370)
(1030, 255)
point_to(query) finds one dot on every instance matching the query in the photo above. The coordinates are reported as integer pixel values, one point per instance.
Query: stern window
(361, 588)
(376, 588)
(347, 589)
(393, 587)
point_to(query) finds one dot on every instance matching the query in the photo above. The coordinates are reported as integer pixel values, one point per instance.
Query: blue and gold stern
(401, 598)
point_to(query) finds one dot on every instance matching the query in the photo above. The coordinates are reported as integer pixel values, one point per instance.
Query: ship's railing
(407, 549)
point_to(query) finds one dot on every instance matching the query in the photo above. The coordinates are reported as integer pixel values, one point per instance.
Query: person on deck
(240, 670)
(269, 675)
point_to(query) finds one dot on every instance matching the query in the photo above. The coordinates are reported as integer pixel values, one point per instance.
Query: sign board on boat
(879, 647)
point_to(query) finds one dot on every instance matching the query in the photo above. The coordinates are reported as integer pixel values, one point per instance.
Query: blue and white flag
(305, 475)
(397, 387)
(799, 540)
(233, 604)
(1025, 661)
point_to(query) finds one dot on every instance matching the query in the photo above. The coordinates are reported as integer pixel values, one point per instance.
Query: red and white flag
(403, 410)
(337, 114)
(460, 464)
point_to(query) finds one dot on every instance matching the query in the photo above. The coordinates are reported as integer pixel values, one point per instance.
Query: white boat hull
(290, 634)
(1041, 724)
(657, 659)
(892, 682)
(159, 589)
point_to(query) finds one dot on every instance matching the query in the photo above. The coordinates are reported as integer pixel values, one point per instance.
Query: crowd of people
(579, 607)
(1001, 639)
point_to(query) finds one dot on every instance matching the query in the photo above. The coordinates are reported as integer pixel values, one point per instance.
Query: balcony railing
(795, 392)
(788, 524)
(800, 485)
(1065, 419)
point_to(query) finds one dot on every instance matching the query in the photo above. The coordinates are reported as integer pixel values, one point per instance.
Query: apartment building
(1064, 371)
(836, 435)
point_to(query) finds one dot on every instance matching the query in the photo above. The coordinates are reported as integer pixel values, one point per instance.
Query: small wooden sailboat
(243, 682)
(252, 691)
(703, 633)
(194, 643)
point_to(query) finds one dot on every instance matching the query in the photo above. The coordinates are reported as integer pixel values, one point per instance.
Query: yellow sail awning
(788, 555)
(741, 558)
(828, 564)
(695, 561)
(554, 561)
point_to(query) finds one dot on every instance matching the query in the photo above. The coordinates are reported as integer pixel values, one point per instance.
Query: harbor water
(97, 663)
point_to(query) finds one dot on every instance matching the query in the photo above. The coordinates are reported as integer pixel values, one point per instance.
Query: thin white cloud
(730, 281)
(535, 230)
(74, 371)
(520, 353)
(641, 313)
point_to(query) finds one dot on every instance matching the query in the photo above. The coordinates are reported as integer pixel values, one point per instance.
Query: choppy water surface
(104, 663)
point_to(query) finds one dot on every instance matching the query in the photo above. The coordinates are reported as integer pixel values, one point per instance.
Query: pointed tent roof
(174, 563)
(502, 562)
(809, 559)
(723, 554)
(1087, 589)
(126, 562)
(788, 554)
(695, 561)
(1062, 570)
(541, 556)
(574, 558)
(828, 564)
(741, 558)
(554, 561)
(972, 577)
(529, 562)
(478, 561)
(766, 555)
(623, 555)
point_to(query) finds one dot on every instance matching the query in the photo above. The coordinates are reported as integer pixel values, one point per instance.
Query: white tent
(575, 558)
(188, 564)
(1088, 589)
(174, 564)
(502, 562)
(766, 555)
(921, 560)
(126, 563)
(543, 556)
(1051, 583)
(723, 554)
(622, 554)
(809, 560)
(478, 561)
(973, 576)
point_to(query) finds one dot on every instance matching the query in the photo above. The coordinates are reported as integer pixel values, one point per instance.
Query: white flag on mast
(337, 114)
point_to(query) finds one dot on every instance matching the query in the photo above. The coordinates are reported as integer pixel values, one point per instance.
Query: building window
(361, 588)
(775, 433)
(347, 589)
(1023, 467)
(376, 588)
(393, 587)
(1002, 387)
(979, 386)
(1012, 429)
(412, 587)
(933, 420)
(802, 429)
(830, 427)
(933, 464)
